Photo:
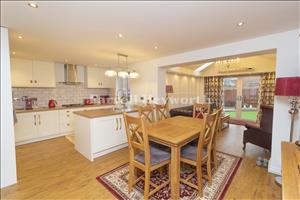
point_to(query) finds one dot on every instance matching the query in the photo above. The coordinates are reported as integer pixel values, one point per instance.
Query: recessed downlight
(32, 5)
(241, 23)
(20, 37)
(120, 35)
(155, 47)
(14, 53)
(66, 60)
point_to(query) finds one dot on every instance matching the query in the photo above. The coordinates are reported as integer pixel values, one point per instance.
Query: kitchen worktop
(105, 112)
(41, 109)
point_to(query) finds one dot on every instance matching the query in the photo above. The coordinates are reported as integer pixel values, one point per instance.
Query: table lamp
(288, 86)
(169, 90)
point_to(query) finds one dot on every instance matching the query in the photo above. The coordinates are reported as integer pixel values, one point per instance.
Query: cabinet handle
(120, 123)
(117, 124)
(30, 81)
(34, 120)
(68, 124)
(35, 81)
(39, 120)
(68, 111)
(68, 115)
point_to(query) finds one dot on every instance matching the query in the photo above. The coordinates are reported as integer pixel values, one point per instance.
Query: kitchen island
(100, 131)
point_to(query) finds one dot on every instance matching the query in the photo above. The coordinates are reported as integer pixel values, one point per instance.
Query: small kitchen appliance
(52, 103)
(88, 102)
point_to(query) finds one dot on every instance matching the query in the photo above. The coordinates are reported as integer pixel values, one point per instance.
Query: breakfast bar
(100, 131)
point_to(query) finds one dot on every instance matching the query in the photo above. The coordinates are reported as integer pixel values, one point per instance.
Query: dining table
(175, 132)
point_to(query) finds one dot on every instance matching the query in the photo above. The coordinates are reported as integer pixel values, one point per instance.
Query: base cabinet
(35, 126)
(26, 127)
(99, 136)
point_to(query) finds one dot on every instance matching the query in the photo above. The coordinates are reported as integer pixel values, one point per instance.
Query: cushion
(157, 155)
(190, 152)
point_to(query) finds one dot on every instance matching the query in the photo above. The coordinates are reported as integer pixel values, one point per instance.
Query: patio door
(241, 97)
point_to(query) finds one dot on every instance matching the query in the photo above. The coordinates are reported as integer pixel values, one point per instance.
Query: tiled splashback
(64, 94)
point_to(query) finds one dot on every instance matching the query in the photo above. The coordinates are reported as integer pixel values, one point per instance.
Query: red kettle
(52, 103)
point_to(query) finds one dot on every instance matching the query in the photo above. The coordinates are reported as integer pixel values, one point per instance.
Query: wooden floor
(52, 169)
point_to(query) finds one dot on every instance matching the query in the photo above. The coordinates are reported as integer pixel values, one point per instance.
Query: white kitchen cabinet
(36, 126)
(21, 71)
(43, 74)
(48, 123)
(97, 79)
(95, 137)
(26, 127)
(28, 73)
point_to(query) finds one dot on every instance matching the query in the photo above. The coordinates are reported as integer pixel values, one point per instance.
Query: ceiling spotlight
(156, 47)
(14, 53)
(32, 5)
(66, 60)
(240, 24)
(120, 35)
(20, 37)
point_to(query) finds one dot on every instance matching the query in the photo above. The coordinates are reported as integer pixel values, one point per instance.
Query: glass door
(230, 96)
(249, 98)
(241, 97)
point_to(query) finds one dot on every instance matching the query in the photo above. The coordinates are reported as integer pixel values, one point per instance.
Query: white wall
(287, 64)
(186, 89)
(8, 155)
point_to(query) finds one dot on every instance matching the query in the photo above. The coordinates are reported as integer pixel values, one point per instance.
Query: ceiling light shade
(133, 74)
(110, 73)
(123, 74)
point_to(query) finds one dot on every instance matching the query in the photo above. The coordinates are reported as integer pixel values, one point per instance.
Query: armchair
(260, 135)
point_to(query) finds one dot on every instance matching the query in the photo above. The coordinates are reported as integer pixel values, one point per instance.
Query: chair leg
(208, 165)
(160, 170)
(214, 157)
(199, 180)
(131, 177)
(147, 184)
(244, 146)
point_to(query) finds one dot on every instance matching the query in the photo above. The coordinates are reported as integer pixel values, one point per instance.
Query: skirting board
(101, 153)
(41, 138)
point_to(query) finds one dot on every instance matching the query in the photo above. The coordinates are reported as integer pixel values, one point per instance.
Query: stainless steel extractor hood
(71, 76)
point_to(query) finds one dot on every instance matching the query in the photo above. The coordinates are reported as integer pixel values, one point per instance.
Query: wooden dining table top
(175, 131)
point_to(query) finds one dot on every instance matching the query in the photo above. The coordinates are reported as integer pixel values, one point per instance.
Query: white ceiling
(87, 32)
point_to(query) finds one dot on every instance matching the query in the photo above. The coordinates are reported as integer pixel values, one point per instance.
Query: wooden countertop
(60, 108)
(104, 112)
(290, 157)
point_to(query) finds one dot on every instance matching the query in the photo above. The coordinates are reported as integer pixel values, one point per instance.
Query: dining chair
(143, 156)
(201, 154)
(148, 112)
(162, 111)
(200, 108)
(216, 132)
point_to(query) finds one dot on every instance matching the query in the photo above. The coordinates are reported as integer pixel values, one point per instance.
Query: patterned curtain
(213, 89)
(266, 91)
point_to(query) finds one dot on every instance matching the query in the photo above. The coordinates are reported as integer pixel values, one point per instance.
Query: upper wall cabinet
(96, 78)
(28, 73)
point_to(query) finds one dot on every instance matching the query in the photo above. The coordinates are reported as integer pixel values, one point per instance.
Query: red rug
(116, 181)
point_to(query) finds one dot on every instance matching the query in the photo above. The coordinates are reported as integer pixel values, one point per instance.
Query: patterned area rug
(116, 181)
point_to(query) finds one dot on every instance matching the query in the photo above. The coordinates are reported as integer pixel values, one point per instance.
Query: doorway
(241, 95)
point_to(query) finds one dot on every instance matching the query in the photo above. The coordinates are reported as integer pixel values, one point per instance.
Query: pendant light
(123, 73)
(133, 74)
(110, 73)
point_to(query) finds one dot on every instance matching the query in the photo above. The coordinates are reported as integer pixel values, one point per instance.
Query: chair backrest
(266, 121)
(207, 134)
(200, 108)
(162, 111)
(137, 136)
(148, 112)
